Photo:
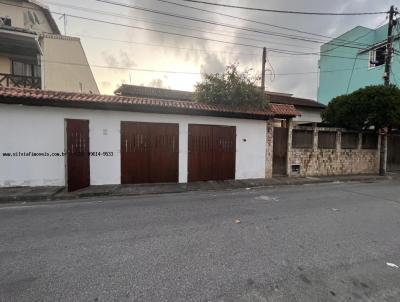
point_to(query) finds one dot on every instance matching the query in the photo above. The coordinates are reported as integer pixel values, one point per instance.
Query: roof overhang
(131, 108)
(34, 97)
(19, 43)
(48, 15)
(377, 45)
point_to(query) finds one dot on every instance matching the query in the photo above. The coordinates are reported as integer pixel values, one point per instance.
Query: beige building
(34, 54)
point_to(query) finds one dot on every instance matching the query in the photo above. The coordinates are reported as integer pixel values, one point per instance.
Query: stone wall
(269, 151)
(314, 161)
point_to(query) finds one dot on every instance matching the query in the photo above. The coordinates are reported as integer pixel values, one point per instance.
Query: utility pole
(65, 24)
(64, 16)
(264, 61)
(386, 77)
(389, 46)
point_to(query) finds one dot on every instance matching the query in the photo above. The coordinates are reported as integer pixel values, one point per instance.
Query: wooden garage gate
(149, 152)
(212, 152)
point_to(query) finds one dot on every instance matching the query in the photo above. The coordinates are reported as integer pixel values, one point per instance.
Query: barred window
(369, 141)
(326, 140)
(349, 140)
(302, 139)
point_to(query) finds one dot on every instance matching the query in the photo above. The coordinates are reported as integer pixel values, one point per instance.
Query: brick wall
(316, 161)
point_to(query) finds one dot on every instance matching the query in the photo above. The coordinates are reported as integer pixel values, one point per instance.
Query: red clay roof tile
(275, 110)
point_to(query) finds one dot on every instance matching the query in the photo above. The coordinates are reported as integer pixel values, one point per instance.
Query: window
(369, 141)
(5, 21)
(326, 140)
(302, 139)
(349, 140)
(31, 19)
(377, 56)
(25, 69)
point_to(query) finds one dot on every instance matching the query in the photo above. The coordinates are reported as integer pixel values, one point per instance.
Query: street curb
(60, 194)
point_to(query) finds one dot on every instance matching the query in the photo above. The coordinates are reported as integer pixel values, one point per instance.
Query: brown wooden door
(212, 152)
(280, 151)
(393, 154)
(78, 162)
(149, 152)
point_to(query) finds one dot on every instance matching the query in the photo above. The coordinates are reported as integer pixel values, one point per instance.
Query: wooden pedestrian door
(212, 152)
(78, 162)
(393, 153)
(149, 152)
(280, 151)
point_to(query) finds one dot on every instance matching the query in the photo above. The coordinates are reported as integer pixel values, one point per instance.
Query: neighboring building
(34, 54)
(130, 139)
(156, 93)
(359, 62)
(310, 111)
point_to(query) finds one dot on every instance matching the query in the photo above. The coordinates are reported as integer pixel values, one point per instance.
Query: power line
(194, 37)
(287, 11)
(191, 36)
(282, 51)
(162, 31)
(394, 77)
(351, 76)
(277, 50)
(183, 72)
(358, 38)
(220, 33)
(162, 13)
(253, 21)
(169, 46)
(170, 25)
(214, 51)
(255, 30)
(259, 31)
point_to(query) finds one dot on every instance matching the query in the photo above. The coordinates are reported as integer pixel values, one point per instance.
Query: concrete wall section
(41, 129)
(65, 65)
(308, 115)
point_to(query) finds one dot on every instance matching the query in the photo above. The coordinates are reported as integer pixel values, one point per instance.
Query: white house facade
(34, 150)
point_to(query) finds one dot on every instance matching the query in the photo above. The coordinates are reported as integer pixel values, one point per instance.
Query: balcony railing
(10, 80)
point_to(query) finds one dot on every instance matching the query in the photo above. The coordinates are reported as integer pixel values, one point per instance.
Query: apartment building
(34, 54)
(355, 60)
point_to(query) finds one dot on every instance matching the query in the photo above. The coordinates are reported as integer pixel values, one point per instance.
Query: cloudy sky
(150, 58)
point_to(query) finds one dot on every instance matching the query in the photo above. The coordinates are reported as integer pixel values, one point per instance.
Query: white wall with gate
(41, 129)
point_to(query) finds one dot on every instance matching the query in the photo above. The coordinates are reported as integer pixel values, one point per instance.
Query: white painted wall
(66, 67)
(308, 115)
(41, 129)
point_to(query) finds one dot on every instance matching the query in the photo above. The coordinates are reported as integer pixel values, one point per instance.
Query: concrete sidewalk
(31, 194)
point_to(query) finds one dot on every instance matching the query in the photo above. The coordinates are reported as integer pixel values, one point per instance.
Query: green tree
(231, 88)
(372, 106)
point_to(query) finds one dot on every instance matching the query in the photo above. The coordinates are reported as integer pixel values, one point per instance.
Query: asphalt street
(329, 242)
